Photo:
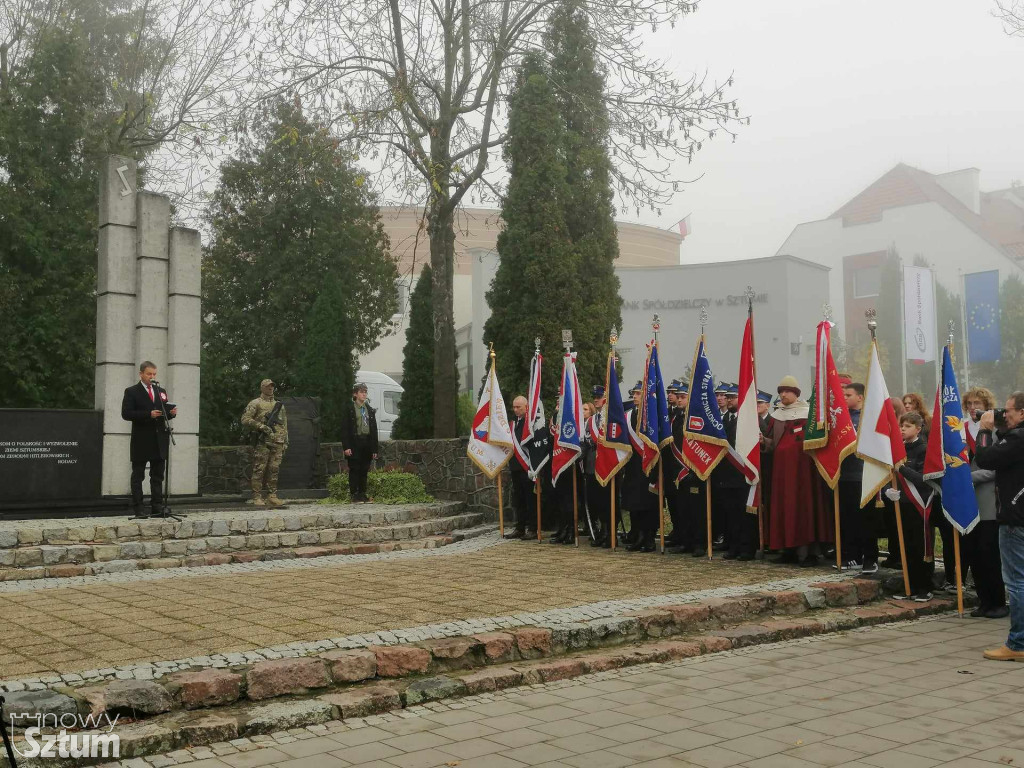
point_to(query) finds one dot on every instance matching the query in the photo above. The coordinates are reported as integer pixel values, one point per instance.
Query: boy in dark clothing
(919, 562)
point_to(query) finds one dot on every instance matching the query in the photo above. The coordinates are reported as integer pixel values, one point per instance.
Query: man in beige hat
(265, 418)
(798, 519)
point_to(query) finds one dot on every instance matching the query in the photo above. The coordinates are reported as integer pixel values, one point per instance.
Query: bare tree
(420, 86)
(1011, 13)
(174, 71)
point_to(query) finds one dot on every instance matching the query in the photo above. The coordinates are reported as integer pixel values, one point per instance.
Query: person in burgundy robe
(799, 517)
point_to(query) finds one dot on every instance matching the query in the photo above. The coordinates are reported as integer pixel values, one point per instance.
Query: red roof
(1001, 221)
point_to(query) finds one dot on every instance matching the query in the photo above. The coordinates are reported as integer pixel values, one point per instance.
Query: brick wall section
(446, 471)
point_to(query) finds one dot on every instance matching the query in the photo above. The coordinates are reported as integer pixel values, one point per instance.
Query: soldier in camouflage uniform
(270, 446)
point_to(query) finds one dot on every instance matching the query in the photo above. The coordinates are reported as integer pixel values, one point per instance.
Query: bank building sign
(732, 300)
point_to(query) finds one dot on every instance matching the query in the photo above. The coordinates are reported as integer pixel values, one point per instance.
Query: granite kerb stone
(167, 731)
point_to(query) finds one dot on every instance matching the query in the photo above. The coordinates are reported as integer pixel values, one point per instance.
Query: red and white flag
(684, 226)
(879, 442)
(748, 426)
(533, 411)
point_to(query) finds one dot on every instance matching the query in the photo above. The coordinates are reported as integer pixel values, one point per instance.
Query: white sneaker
(849, 565)
(870, 568)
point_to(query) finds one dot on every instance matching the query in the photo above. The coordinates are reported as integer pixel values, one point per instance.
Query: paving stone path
(911, 695)
(136, 618)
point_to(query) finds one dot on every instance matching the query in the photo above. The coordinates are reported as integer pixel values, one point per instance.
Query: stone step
(57, 561)
(216, 522)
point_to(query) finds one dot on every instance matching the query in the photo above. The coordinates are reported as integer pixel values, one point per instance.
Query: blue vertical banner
(981, 298)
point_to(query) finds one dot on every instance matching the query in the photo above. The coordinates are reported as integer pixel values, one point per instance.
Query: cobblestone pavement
(85, 626)
(912, 695)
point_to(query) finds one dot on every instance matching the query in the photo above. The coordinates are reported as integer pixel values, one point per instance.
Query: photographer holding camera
(1006, 457)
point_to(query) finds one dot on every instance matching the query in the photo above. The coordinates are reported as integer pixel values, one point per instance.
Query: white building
(652, 280)
(943, 218)
(475, 261)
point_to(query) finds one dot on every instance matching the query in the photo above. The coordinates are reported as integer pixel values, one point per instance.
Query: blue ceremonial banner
(947, 464)
(570, 416)
(653, 424)
(664, 422)
(704, 439)
(981, 299)
(614, 447)
(703, 417)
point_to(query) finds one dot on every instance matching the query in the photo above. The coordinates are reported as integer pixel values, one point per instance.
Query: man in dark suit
(143, 405)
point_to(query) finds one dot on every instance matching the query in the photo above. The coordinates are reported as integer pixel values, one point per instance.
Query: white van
(385, 395)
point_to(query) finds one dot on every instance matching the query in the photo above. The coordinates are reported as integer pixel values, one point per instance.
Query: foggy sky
(838, 93)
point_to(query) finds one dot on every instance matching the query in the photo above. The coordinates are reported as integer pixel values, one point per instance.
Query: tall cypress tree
(536, 290)
(416, 420)
(578, 81)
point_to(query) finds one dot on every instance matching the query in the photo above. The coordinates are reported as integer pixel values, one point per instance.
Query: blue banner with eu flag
(981, 297)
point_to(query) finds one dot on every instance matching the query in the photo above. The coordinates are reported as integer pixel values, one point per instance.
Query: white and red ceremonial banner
(534, 410)
(879, 442)
(919, 314)
(490, 439)
(568, 445)
(748, 425)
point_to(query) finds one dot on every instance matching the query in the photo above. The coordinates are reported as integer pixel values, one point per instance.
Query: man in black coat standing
(359, 439)
(144, 405)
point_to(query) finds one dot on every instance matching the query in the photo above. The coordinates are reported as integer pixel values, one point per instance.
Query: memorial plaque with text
(50, 455)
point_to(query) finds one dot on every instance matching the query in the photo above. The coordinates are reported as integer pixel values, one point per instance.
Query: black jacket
(150, 440)
(852, 468)
(726, 474)
(913, 469)
(1007, 459)
(348, 429)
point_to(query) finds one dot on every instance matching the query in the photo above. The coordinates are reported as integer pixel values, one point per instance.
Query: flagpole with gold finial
(612, 340)
(656, 326)
(871, 316)
(707, 483)
(956, 533)
(567, 343)
(536, 480)
(501, 508)
(827, 312)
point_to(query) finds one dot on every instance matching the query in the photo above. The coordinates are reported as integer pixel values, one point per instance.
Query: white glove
(531, 474)
(892, 494)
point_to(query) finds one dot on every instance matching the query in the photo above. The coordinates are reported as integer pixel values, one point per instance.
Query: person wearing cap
(637, 497)
(764, 404)
(597, 397)
(598, 497)
(670, 470)
(359, 439)
(731, 491)
(692, 491)
(265, 417)
(799, 518)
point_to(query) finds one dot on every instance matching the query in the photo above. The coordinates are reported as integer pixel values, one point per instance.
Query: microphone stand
(165, 507)
(6, 736)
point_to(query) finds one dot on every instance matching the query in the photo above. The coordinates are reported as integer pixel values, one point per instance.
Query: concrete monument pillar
(184, 315)
(147, 307)
(115, 315)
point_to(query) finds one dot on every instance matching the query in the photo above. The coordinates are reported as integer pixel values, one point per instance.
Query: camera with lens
(998, 413)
